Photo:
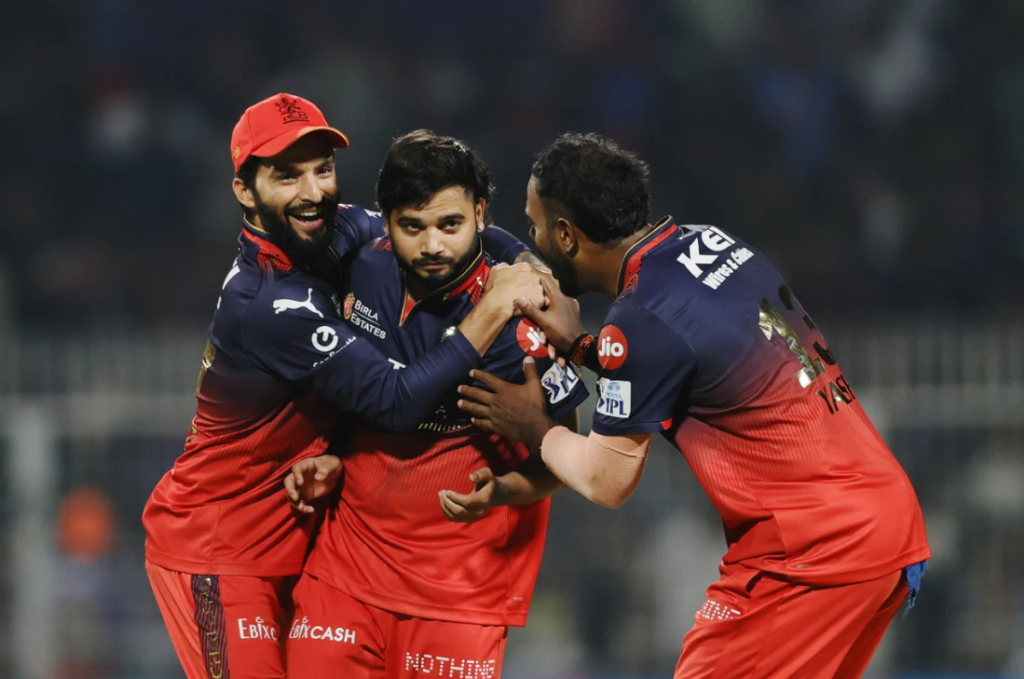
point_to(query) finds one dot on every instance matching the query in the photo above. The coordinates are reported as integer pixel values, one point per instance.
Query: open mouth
(307, 220)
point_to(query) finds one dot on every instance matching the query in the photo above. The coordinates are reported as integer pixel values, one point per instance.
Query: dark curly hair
(602, 185)
(421, 163)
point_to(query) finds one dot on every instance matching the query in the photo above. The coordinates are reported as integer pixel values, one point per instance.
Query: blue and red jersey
(708, 345)
(387, 542)
(280, 361)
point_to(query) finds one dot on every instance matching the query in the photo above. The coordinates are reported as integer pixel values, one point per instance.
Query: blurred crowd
(874, 148)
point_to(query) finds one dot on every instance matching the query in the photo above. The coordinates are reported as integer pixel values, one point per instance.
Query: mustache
(326, 204)
(424, 261)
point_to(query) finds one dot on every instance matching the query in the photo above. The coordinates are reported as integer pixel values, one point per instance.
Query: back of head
(603, 186)
(421, 163)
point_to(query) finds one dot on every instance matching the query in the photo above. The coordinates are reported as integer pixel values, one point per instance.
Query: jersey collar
(268, 254)
(630, 268)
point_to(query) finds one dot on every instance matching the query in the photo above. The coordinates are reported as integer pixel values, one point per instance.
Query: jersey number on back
(772, 322)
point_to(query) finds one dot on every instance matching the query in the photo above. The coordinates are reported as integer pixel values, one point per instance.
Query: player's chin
(307, 234)
(434, 275)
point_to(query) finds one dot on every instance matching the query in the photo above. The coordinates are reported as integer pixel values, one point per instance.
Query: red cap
(272, 125)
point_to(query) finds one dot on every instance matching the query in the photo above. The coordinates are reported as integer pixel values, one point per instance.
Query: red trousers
(221, 624)
(334, 636)
(756, 625)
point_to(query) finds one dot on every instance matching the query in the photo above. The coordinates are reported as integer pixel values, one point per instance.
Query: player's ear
(243, 193)
(481, 210)
(567, 236)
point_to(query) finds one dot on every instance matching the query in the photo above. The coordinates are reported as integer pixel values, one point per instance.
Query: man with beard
(706, 345)
(391, 587)
(279, 361)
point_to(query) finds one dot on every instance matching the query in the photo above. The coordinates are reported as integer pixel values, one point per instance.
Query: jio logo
(612, 348)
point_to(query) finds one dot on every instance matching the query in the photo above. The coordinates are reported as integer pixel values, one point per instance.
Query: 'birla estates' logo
(612, 348)
(291, 111)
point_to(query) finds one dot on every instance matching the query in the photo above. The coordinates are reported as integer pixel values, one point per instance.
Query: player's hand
(560, 320)
(506, 284)
(534, 260)
(517, 411)
(490, 492)
(311, 479)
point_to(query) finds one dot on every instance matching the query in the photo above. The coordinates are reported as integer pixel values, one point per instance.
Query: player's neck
(416, 291)
(609, 261)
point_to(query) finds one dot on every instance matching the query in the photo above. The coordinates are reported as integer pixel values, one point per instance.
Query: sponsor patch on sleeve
(612, 347)
(558, 383)
(529, 338)
(614, 398)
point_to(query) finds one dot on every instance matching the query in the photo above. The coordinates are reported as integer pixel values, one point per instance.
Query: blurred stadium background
(874, 149)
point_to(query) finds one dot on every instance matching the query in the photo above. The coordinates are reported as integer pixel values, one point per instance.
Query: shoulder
(296, 299)
(698, 260)
(350, 213)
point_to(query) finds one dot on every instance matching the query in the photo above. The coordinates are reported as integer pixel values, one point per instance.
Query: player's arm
(530, 483)
(317, 350)
(354, 227)
(641, 384)
(533, 481)
(560, 320)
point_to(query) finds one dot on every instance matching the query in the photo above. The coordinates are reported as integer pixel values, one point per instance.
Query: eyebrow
(451, 216)
(292, 167)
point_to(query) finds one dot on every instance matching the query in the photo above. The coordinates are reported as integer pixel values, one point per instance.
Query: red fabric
(758, 625)
(222, 508)
(270, 256)
(334, 635)
(388, 544)
(859, 521)
(237, 632)
(272, 125)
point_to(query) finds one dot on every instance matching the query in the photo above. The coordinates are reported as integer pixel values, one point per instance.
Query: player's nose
(309, 188)
(433, 245)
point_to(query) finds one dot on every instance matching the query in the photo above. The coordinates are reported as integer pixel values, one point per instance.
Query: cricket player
(280, 360)
(706, 345)
(396, 585)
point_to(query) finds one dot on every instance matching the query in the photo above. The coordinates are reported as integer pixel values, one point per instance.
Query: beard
(432, 280)
(563, 271)
(294, 244)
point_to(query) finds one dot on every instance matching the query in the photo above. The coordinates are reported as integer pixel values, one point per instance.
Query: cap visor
(281, 142)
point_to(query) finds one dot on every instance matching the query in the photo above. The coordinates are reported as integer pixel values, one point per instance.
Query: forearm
(483, 324)
(526, 488)
(365, 384)
(603, 469)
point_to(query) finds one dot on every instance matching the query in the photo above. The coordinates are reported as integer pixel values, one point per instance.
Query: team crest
(350, 303)
(291, 111)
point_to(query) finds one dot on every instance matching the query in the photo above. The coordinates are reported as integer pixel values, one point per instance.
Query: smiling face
(294, 195)
(437, 241)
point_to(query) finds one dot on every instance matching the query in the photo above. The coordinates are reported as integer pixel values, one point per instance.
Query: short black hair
(421, 163)
(601, 184)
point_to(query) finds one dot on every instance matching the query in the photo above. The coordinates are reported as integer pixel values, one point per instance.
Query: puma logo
(286, 304)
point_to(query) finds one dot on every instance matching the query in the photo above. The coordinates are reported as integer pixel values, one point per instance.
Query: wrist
(539, 432)
(580, 347)
(502, 494)
(494, 310)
